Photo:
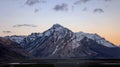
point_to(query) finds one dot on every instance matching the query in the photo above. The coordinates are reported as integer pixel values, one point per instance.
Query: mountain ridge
(60, 42)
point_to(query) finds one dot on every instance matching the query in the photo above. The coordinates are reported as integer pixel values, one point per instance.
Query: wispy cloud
(6, 31)
(36, 10)
(72, 7)
(25, 25)
(98, 10)
(61, 7)
(107, 0)
(33, 2)
(85, 9)
(81, 1)
(65, 6)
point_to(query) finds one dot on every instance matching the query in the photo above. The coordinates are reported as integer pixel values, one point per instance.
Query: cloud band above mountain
(25, 25)
(6, 31)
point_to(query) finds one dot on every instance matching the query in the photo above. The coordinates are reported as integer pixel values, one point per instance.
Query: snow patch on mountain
(15, 38)
(79, 36)
(55, 50)
(30, 38)
(95, 37)
(75, 44)
(33, 36)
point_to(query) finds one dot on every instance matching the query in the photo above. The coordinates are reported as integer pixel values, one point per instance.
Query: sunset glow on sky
(22, 17)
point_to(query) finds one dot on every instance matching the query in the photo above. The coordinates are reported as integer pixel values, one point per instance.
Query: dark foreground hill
(10, 50)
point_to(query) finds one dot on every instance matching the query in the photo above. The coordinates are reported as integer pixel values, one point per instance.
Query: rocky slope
(10, 50)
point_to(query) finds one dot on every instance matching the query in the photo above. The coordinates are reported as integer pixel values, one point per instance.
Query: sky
(22, 17)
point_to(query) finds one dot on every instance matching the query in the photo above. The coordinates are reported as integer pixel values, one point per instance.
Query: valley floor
(60, 63)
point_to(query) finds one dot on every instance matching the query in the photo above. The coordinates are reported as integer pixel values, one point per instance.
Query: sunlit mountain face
(59, 29)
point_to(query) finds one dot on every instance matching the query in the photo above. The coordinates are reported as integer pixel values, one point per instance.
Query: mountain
(15, 38)
(98, 51)
(60, 42)
(10, 50)
(29, 39)
(96, 37)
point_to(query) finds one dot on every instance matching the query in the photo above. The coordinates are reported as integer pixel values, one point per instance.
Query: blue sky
(92, 16)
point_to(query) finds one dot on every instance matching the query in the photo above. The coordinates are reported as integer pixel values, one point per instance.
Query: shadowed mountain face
(60, 42)
(98, 51)
(11, 50)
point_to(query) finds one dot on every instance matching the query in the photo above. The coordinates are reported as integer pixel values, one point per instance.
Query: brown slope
(10, 50)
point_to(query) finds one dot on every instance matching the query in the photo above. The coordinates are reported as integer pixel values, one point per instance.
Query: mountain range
(59, 42)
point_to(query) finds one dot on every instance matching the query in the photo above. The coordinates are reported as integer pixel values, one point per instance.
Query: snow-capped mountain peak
(59, 29)
(57, 26)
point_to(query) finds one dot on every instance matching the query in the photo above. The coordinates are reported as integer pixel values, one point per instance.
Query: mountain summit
(57, 26)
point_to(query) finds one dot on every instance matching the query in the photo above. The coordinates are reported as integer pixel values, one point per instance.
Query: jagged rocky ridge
(60, 42)
(15, 38)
